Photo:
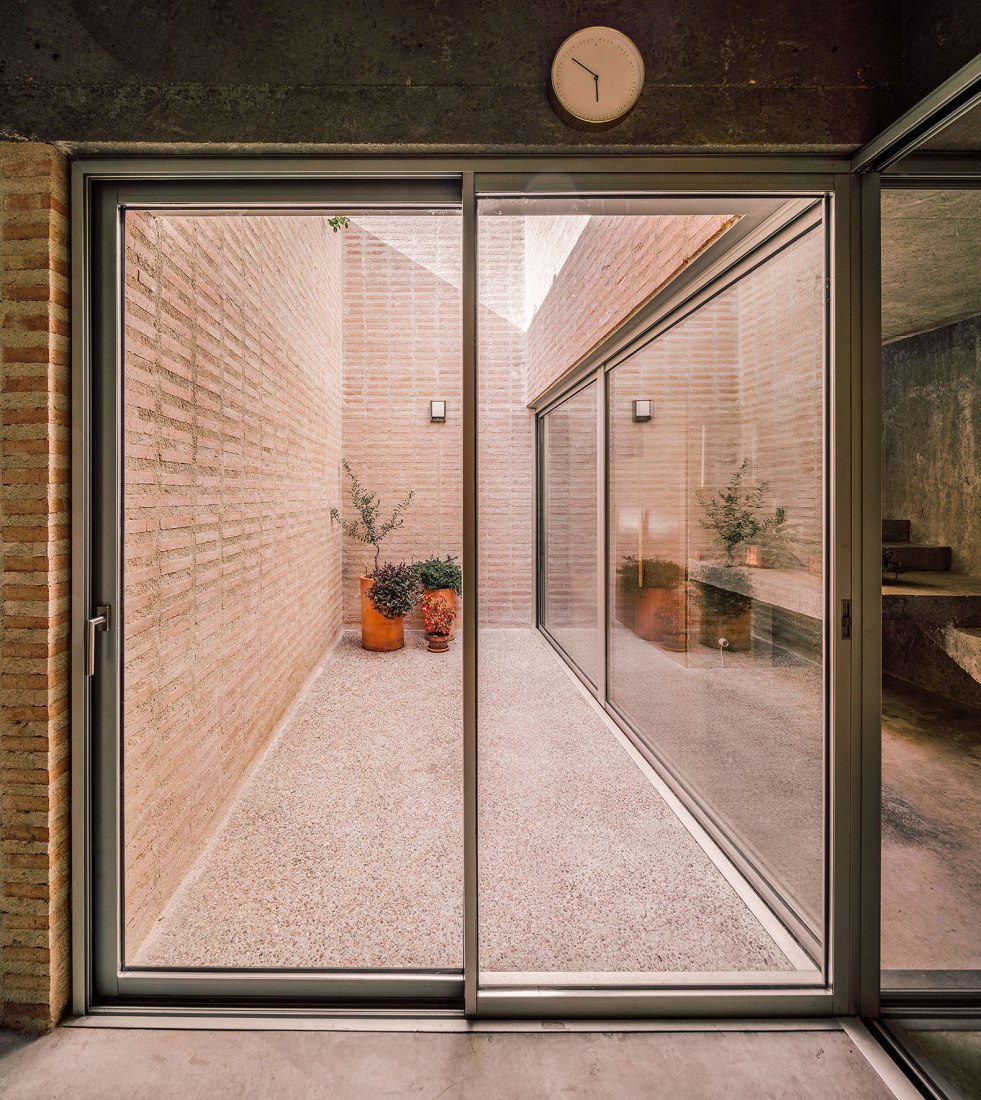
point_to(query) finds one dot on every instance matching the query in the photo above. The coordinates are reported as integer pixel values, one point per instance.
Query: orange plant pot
(378, 634)
(658, 611)
(450, 596)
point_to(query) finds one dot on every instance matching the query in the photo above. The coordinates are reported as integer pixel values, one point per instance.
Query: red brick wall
(232, 571)
(34, 613)
(402, 309)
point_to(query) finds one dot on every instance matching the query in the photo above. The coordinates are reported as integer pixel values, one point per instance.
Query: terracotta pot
(378, 634)
(657, 612)
(735, 628)
(626, 606)
(438, 643)
(450, 596)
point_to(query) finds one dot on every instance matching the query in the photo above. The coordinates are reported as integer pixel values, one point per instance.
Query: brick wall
(617, 264)
(232, 594)
(402, 309)
(34, 614)
(505, 431)
(740, 378)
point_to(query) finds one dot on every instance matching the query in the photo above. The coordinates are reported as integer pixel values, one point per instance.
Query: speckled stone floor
(747, 733)
(344, 848)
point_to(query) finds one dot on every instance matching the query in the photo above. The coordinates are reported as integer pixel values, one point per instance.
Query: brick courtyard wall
(402, 317)
(615, 267)
(232, 439)
(781, 368)
(691, 373)
(34, 613)
(506, 430)
(570, 518)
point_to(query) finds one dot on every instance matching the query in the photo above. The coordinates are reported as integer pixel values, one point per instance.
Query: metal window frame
(657, 174)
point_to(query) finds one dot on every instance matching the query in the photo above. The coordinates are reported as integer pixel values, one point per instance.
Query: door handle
(101, 621)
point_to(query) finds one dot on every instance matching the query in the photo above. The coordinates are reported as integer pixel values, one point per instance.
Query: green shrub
(649, 573)
(733, 513)
(440, 573)
(724, 590)
(395, 590)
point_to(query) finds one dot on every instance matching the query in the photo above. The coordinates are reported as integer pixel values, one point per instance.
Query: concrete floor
(344, 849)
(86, 1064)
(931, 832)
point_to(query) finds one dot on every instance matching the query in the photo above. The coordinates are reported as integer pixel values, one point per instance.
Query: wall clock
(597, 77)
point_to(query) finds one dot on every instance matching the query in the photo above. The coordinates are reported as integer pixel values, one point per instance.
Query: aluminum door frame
(655, 174)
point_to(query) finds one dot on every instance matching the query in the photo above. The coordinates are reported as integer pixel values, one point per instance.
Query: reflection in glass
(569, 530)
(716, 521)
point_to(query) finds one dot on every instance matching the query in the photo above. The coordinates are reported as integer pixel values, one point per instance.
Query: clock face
(597, 76)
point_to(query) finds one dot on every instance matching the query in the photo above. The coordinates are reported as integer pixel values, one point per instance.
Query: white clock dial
(597, 76)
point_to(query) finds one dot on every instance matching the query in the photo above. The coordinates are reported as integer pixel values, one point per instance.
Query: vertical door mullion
(843, 570)
(472, 604)
(602, 544)
(105, 703)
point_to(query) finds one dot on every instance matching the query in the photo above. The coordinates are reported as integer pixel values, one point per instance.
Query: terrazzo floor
(344, 847)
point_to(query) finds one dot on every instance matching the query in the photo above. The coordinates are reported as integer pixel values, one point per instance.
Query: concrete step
(963, 644)
(895, 530)
(920, 559)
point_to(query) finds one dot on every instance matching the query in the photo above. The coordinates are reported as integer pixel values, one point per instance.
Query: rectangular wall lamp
(437, 412)
(643, 411)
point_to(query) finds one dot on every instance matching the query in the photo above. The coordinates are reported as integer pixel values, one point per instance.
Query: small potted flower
(438, 617)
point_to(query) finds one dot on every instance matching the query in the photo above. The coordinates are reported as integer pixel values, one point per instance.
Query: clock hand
(596, 79)
(582, 66)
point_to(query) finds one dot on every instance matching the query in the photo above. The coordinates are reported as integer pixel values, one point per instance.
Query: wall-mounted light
(437, 412)
(643, 411)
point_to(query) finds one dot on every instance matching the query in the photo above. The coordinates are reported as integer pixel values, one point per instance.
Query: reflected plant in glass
(651, 605)
(733, 513)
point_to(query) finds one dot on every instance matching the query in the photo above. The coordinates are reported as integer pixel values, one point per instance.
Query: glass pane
(290, 798)
(569, 530)
(931, 593)
(589, 868)
(716, 533)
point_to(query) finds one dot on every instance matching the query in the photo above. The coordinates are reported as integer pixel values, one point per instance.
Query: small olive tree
(732, 513)
(367, 528)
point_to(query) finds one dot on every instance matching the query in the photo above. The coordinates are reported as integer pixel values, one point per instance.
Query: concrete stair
(963, 645)
(912, 557)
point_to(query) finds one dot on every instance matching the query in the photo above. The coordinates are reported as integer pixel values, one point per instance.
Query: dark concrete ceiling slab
(417, 73)
(931, 276)
(961, 136)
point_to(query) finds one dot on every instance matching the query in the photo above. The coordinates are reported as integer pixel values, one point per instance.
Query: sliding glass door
(597, 421)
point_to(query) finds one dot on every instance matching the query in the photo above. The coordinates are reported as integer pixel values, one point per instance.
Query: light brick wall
(402, 310)
(615, 267)
(740, 378)
(505, 430)
(232, 449)
(34, 614)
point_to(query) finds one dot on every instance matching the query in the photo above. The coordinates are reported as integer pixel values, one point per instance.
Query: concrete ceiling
(961, 136)
(931, 272)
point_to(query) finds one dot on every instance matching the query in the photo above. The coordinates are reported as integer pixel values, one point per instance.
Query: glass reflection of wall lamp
(643, 411)
(437, 412)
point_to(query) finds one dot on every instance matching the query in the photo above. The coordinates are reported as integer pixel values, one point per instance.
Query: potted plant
(438, 617)
(391, 595)
(442, 577)
(368, 529)
(733, 515)
(653, 584)
(725, 606)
